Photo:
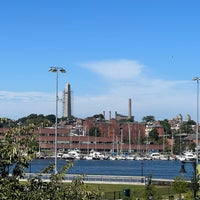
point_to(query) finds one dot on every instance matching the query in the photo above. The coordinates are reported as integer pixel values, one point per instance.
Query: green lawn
(136, 191)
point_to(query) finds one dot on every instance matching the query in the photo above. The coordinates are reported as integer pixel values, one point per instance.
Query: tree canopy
(154, 134)
(148, 118)
(18, 149)
(166, 126)
(94, 131)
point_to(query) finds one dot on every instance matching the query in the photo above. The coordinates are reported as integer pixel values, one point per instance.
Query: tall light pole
(197, 123)
(197, 130)
(56, 70)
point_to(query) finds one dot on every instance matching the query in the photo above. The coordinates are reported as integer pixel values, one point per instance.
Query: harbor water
(161, 169)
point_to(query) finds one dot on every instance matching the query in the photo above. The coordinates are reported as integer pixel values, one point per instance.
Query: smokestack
(104, 114)
(109, 115)
(129, 109)
(67, 101)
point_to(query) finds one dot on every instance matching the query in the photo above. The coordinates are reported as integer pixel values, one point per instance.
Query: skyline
(112, 51)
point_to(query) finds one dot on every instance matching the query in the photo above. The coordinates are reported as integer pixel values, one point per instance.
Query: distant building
(67, 101)
(115, 136)
(154, 125)
(124, 117)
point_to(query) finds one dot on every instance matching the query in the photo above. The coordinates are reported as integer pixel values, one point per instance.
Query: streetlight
(142, 172)
(56, 70)
(195, 162)
(197, 123)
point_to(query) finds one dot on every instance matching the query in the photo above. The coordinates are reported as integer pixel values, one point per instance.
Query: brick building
(115, 136)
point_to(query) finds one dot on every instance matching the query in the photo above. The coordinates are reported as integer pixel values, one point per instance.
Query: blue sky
(113, 50)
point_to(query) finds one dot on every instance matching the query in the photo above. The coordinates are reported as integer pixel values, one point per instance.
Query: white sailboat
(129, 156)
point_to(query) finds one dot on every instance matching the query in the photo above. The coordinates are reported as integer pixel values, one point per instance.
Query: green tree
(148, 118)
(150, 190)
(37, 120)
(6, 123)
(178, 146)
(153, 134)
(180, 185)
(18, 149)
(186, 127)
(166, 126)
(51, 118)
(69, 120)
(94, 131)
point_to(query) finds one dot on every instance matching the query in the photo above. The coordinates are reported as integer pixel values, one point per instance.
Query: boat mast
(129, 137)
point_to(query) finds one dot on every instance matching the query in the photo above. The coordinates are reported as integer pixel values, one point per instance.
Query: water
(156, 168)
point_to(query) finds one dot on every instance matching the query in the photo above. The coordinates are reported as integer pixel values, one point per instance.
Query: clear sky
(113, 50)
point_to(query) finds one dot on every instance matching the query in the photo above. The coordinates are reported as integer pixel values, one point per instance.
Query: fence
(135, 180)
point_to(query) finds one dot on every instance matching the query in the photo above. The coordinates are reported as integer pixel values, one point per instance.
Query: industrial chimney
(67, 101)
(109, 115)
(129, 109)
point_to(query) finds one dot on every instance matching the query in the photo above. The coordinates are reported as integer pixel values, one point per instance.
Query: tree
(180, 185)
(51, 118)
(178, 148)
(148, 118)
(36, 119)
(6, 123)
(94, 131)
(17, 149)
(166, 126)
(150, 191)
(99, 117)
(154, 134)
(186, 127)
(192, 146)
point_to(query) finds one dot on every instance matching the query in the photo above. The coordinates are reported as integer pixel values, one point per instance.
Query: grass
(111, 191)
(115, 187)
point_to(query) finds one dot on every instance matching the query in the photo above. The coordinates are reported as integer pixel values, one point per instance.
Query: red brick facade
(112, 133)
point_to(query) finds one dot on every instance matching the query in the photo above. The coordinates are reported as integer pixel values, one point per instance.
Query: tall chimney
(129, 109)
(67, 101)
(109, 115)
(104, 115)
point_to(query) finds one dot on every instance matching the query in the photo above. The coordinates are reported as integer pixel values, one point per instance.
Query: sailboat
(138, 156)
(129, 156)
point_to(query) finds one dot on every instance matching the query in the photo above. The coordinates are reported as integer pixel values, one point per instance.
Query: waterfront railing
(137, 180)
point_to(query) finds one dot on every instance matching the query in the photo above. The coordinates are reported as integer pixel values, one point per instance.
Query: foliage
(17, 149)
(37, 120)
(190, 122)
(5, 123)
(166, 126)
(150, 190)
(57, 189)
(99, 117)
(69, 120)
(178, 146)
(148, 118)
(154, 134)
(192, 146)
(186, 127)
(180, 185)
(94, 131)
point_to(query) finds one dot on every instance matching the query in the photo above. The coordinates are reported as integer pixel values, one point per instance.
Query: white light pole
(56, 70)
(197, 140)
(197, 123)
